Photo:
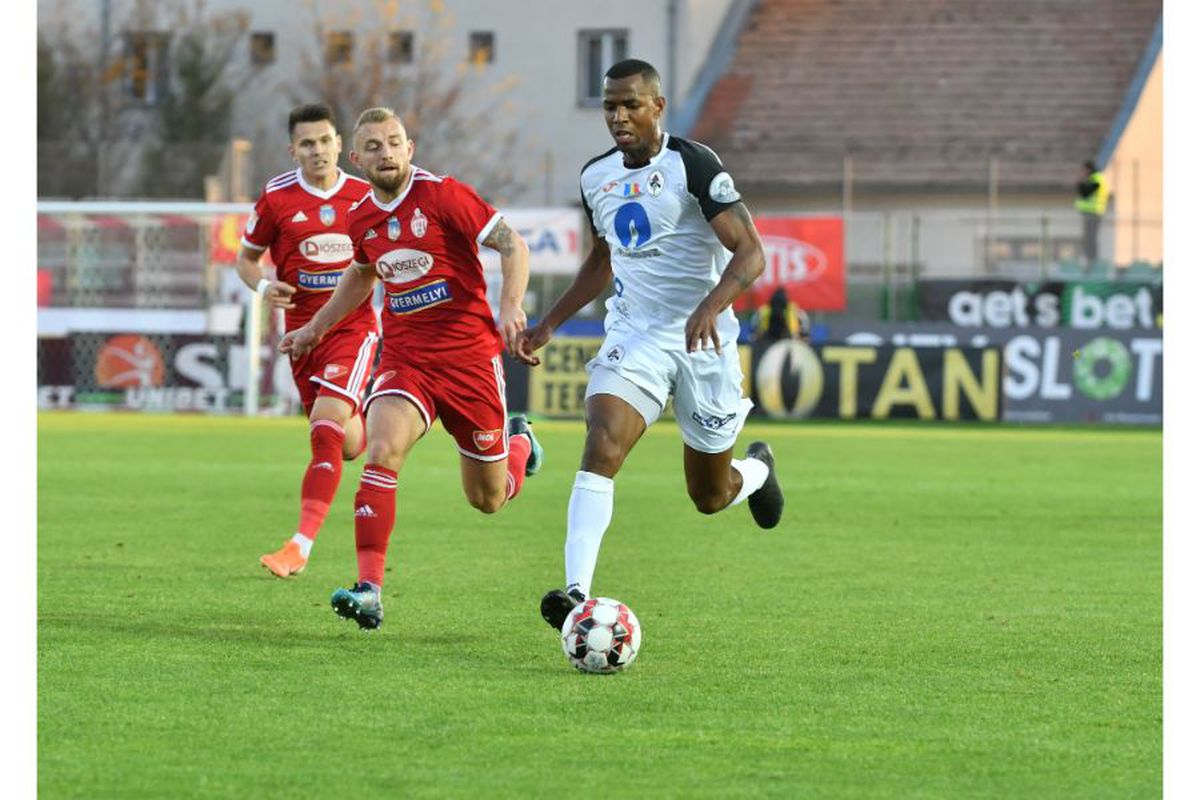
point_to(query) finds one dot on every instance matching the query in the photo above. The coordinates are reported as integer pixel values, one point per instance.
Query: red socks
(322, 477)
(519, 447)
(374, 514)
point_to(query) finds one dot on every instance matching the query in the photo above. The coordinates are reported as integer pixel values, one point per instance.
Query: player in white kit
(665, 220)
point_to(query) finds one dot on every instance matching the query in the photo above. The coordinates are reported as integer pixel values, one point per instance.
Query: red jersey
(425, 247)
(305, 228)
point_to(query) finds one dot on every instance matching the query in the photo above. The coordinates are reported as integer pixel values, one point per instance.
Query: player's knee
(708, 503)
(602, 454)
(487, 502)
(383, 452)
(353, 446)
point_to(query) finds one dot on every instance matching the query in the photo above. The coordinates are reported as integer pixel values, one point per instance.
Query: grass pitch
(944, 612)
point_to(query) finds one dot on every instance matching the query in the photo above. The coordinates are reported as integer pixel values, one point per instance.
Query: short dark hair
(310, 112)
(632, 66)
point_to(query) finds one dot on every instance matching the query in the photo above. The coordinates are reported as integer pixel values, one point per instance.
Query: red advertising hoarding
(804, 255)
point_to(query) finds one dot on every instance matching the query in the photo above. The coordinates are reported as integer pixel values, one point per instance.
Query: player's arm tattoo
(501, 239)
(742, 214)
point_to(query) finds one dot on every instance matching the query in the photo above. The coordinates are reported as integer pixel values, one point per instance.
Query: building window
(145, 65)
(339, 47)
(400, 47)
(598, 50)
(262, 48)
(481, 47)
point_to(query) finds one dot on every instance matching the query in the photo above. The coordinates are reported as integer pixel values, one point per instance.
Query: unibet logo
(129, 361)
(327, 248)
(402, 266)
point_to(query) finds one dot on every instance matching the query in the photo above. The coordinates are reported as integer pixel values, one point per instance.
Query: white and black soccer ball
(601, 635)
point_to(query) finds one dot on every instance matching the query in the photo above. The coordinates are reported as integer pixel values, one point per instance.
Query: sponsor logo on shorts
(319, 281)
(327, 248)
(614, 354)
(383, 378)
(712, 421)
(418, 299)
(333, 371)
(404, 265)
(486, 440)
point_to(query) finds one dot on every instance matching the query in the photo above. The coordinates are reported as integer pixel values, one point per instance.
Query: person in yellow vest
(1092, 203)
(780, 318)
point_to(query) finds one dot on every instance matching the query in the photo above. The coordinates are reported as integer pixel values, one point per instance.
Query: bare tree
(145, 113)
(196, 106)
(452, 111)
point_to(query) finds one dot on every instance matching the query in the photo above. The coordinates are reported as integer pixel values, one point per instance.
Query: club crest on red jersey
(393, 230)
(419, 224)
(328, 215)
(486, 440)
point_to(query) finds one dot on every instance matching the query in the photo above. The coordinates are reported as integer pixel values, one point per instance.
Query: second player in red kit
(301, 217)
(420, 234)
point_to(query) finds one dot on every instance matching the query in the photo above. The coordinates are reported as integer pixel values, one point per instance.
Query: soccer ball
(601, 635)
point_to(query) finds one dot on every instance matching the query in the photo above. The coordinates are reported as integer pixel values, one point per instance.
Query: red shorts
(339, 366)
(469, 399)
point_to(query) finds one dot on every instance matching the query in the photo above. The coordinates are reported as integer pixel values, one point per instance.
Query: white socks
(754, 475)
(304, 542)
(588, 515)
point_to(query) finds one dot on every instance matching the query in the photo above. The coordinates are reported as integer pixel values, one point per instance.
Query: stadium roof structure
(922, 94)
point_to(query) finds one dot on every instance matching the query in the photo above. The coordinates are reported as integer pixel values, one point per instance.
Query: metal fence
(177, 256)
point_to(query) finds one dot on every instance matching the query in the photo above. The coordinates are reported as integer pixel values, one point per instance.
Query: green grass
(944, 612)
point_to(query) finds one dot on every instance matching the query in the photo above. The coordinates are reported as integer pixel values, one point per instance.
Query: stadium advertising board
(1057, 375)
(1085, 305)
(553, 236)
(154, 372)
(804, 255)
(792, 380)
(556, 387)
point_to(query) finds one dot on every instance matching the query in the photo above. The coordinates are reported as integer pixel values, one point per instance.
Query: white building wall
(536, 44)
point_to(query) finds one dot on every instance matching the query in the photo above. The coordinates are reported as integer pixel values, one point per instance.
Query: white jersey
(665, 256)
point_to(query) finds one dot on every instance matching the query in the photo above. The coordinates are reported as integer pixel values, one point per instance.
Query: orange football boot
(285, 561)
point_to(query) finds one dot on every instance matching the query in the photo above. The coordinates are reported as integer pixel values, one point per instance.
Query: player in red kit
(301, 218)
(421, 233)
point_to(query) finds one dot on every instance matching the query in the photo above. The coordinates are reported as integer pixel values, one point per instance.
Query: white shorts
(707, 387)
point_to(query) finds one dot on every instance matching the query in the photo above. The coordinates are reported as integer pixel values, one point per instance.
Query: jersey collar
(662, 151)
(413, 169)
(326, 194)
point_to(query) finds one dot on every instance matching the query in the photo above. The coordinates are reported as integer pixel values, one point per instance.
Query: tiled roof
(921, 93)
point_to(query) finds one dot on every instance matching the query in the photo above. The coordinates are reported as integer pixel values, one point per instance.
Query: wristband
(263, 285)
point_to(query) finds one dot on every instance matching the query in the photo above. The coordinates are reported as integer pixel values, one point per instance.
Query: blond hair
(377, 114)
